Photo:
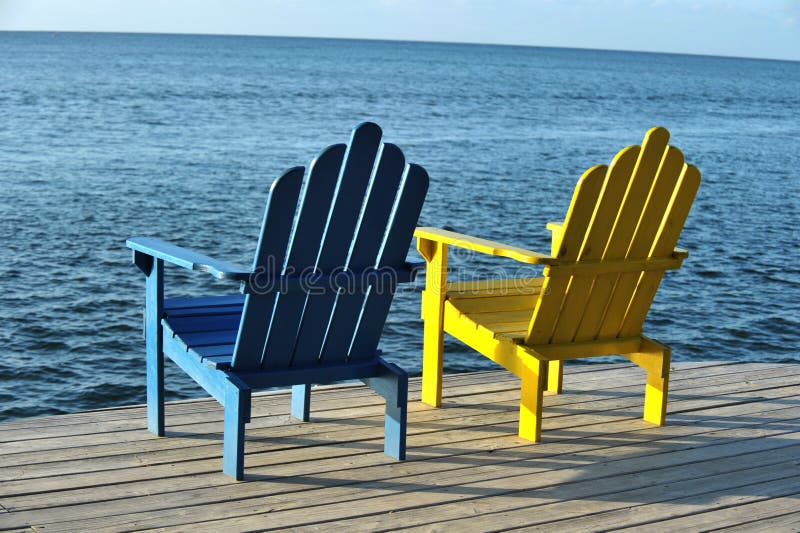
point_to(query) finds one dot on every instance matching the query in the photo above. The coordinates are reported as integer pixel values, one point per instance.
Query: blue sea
(106, 136)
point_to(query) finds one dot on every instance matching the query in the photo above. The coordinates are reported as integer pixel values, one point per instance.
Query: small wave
(712, 274)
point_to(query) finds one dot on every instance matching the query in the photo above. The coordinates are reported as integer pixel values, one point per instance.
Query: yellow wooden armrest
(483, 246)
(554, 226)
(558, 233)
(680, 253)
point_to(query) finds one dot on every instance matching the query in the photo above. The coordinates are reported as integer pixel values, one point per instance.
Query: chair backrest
(632, 210)
(356, 209)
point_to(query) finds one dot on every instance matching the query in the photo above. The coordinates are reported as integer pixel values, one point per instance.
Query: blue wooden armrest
(186, 258)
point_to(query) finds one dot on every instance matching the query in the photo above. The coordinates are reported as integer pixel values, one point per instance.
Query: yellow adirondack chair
(606, 263)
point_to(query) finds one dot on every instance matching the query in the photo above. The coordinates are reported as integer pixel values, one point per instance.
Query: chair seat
(206, 327)
(504, 306)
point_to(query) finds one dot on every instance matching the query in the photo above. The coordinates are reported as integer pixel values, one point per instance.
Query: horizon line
(413, 41)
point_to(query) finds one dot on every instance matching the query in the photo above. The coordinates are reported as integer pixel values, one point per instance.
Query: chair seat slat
(205, 311)
(215, 322)
(490, 304)
(215, 350)
(499, 287)
(202, 302)
(210, 338)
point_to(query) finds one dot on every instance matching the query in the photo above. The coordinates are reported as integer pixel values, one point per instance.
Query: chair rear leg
(301, 401)
(530, 405)
(655, 392)
(555, 376)
(237, 407)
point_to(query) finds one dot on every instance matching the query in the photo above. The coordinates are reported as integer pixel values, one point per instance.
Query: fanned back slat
(370, 235)
(269, 258)
(307, 236)
(668, 234)
(339, 232)
(662, 190)
(393, 253)
(595, 242)
(629, 212)
(584, 200)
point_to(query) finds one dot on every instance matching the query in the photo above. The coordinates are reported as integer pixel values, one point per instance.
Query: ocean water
(106, 136)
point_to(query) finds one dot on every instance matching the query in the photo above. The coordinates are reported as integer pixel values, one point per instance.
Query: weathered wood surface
(729, 457)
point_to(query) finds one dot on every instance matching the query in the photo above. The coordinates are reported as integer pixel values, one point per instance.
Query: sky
(743, 28)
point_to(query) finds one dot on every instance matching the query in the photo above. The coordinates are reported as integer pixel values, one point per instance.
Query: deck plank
(741, 514)
(730, 452)
(786, 522)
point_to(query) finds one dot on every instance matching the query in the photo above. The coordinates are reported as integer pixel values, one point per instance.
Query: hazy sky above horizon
(747, 28)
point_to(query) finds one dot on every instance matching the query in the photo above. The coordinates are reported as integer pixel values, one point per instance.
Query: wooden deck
(728, 458)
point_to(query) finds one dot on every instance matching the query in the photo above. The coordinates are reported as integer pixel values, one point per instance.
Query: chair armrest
(557, 228)
(483, 246)
(189, 259)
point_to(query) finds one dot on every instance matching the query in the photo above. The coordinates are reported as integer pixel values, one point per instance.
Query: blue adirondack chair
(331, 252)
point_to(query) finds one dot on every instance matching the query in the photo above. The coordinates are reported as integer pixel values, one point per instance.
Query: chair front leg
(154, 310)
(435, 253)
(301, 401)
(237, 413)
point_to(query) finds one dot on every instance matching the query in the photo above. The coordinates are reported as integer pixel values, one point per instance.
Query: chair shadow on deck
(628, 467)
(614, 457)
